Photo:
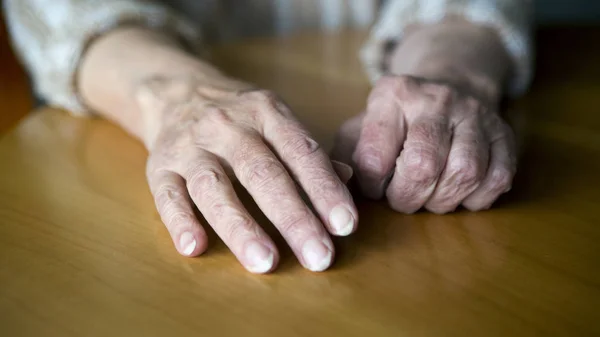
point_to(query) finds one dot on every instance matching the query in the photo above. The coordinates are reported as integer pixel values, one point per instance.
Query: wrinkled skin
(424, 144)
(208, 136)
(421, 143)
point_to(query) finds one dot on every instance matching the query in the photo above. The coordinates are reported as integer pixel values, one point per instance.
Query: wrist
(468, 57)
(462, 77)
(129, 66)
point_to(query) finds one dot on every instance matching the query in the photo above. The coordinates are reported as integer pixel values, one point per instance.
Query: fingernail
(341, 220)
(343, 171)
(187, 243)
(260, 258)
(316, 255)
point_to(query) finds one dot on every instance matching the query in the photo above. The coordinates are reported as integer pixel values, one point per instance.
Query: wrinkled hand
(208, 135)
(424, 144)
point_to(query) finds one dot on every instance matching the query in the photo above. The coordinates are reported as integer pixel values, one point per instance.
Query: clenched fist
(425, 144)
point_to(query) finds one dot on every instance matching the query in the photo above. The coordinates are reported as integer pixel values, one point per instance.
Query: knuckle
(166, 195)
(300, 146)
(324, 185)
(266, 104)
(373, 152)
(429, 132)
(465, 171)
(260, 172)
(374, 132)
(501, 179)
(293, 223)
(421, 166)
(263, 95)
(179, 220)
(371, 164)
(239, 226)
(374, 157)
(265, 98)
(221, 209)
(204, 179)
(498, 130)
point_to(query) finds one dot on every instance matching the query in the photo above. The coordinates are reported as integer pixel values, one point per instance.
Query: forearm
(468, 56)
(117, 66)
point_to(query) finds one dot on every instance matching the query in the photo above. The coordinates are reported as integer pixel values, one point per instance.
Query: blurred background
(573, 12)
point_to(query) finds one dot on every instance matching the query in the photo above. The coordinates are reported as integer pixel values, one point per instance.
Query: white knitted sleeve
(51, 35)
(510, 18)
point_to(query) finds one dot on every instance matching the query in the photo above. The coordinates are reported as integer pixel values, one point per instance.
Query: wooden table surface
(83, 252)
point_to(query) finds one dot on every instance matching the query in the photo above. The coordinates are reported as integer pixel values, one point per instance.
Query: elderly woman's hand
(424, 144)
(202, 130)
(200, 136)
(432, 136)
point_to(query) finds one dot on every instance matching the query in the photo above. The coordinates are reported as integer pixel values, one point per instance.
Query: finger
(381, 138)
(343, 171)
(347, 138)
(465, 168)
(499, 176)
(214, 195)
(175, 210)
(310, 166)
(274, 191)
(420, 163)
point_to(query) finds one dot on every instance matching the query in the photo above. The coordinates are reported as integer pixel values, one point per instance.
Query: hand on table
(207, 135)
(424, 144)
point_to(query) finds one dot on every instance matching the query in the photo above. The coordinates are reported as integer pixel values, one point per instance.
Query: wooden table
(83, 252)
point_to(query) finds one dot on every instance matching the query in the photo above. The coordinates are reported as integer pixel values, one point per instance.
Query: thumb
(346, 139)
(344, 171)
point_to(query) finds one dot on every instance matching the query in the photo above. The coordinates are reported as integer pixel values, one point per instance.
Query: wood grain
(83, 252)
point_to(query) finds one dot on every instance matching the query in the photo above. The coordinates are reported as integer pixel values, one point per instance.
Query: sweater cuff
(52, 40)
(511, 19)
